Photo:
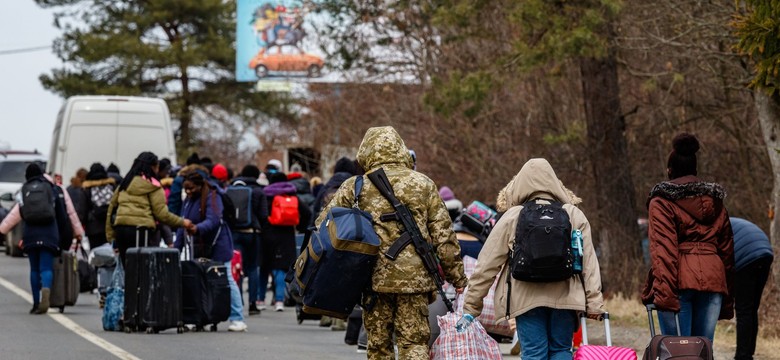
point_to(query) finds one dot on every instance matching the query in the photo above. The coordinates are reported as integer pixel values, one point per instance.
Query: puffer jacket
(691, 243)
(536, 179)
(383, 147)
(141, 204)
(94, 217)
(211, 228)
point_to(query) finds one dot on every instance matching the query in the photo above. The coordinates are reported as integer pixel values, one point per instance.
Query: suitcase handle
(650, 308)
(607, 331)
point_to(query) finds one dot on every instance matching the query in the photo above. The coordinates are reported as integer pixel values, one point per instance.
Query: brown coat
(691, 243)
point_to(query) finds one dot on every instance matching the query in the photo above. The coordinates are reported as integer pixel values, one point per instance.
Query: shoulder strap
(379, 179)
(239, 183)
(358, 189)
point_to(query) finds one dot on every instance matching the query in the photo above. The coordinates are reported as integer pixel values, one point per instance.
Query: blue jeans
(279, 285)
(546, 333)
(699, 312)
(249, 246)
(236, 307)
(41, 271)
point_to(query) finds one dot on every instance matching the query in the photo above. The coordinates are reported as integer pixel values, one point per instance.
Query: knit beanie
(446, 193)
(250, 171)
(345, 165)
(682, 160)
(33, 170)
(219, 172)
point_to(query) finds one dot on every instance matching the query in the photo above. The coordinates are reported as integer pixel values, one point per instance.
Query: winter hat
(682, 160)
(446, 193)
(193, 159)
(294, 175)
(296, 168)
(112, 168)
(275, 163)
(262, 180)
(32, 171)
(346, 165)
(250, 171)
(277, 177)
(97, 172)
(219, 172)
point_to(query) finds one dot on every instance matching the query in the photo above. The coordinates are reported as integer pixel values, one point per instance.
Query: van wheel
(314, 71)
(261, 71)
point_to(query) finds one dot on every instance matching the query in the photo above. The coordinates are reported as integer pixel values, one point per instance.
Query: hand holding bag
(472, 344)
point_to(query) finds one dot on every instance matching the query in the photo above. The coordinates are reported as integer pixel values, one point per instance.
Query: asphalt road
(271, 335)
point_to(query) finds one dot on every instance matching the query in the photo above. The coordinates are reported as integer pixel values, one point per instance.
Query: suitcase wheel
(213, 328)
(62, 309)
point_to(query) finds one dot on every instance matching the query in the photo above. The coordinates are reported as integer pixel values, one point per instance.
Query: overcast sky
(27, 111)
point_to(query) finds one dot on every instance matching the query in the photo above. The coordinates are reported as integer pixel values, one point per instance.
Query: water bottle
(576, 247)
(464, 323)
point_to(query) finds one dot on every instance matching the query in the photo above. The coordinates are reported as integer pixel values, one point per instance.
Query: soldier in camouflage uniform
(403, 286)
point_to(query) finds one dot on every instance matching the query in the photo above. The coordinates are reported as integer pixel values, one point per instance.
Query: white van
(109, 129)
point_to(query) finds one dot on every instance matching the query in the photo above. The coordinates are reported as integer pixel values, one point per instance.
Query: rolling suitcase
(206, 290)
(664, 347)
(598, 352)
(65, 282)
(153, 294)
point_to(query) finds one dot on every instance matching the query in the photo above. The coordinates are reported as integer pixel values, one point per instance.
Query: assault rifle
(410, 235)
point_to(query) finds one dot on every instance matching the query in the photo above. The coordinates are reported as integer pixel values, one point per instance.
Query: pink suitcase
(597, 352)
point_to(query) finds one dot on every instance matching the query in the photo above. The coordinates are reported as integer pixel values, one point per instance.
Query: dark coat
(691, 243)
(750, 243)
(324, 196)
(278, 242)
(94, 218)
(303, 189)
(211, 228)
(259, 201)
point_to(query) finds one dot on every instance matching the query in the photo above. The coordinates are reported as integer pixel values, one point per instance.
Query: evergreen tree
(179, 50)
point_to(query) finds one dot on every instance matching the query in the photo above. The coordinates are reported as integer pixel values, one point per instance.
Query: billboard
(272, 43)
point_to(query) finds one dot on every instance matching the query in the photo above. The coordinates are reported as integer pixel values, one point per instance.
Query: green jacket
(383, 147)
(141, 204)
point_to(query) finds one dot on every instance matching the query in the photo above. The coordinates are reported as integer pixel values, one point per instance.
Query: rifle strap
(379, 179)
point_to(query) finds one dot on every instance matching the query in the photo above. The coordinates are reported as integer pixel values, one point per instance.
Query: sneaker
(260, 305)
(237, 326)
(253, 310)
(279, 306)
(362, 349)
(515, 345)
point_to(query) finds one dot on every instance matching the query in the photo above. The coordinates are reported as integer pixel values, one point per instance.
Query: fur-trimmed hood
(700, 199)
(93, 183)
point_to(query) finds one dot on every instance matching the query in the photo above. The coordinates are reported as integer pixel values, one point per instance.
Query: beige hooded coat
(535, 180)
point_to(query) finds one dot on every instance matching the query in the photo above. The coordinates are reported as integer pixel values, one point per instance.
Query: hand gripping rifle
(410, 235)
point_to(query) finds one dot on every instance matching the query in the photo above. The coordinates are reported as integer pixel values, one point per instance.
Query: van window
(13, 171)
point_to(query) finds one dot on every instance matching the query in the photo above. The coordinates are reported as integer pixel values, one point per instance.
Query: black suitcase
(152, 290)
(206, 299)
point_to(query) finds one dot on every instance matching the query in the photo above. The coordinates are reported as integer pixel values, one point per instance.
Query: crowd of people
(694, 267)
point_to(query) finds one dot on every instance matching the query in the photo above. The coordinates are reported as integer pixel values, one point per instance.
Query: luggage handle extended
(650, 308)
(583, 322)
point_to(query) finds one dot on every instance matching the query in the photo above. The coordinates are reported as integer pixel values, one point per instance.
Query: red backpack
(284, 211)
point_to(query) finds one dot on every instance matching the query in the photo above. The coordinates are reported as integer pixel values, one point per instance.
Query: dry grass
(629, 313)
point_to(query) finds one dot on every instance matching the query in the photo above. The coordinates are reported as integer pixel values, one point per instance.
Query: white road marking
(72, 326)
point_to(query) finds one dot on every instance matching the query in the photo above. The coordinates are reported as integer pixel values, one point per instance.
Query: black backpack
(228, 208)
(37, 202)
(542, 251)
(240, 196)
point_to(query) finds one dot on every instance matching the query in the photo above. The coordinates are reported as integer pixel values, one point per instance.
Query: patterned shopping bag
(472, 344)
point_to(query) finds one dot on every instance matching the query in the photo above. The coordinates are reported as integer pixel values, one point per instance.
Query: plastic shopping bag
(472, 344)
(115, 301)
(488, 317)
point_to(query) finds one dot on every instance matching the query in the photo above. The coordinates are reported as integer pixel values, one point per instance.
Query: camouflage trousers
(402, 315)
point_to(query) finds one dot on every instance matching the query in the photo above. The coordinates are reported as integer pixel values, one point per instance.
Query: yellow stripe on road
(72, 326)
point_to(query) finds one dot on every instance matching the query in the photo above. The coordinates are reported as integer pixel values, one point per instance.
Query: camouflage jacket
(383, 147)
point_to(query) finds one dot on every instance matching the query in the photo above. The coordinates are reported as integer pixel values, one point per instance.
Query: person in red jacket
(691, 247)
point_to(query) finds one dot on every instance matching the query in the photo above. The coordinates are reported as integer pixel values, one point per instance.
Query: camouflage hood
(383, 146)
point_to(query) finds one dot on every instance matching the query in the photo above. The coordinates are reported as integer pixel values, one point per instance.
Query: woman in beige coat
(546, 313)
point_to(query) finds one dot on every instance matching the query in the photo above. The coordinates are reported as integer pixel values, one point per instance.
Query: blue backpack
(337, 264)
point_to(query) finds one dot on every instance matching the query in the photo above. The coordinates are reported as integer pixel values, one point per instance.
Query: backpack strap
(358, 189)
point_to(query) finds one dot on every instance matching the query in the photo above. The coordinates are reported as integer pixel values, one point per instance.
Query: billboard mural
(272, 44)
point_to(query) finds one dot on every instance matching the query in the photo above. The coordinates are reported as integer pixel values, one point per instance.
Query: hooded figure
(404, 287)
(691, 247)
(98, 190)
(545, 311)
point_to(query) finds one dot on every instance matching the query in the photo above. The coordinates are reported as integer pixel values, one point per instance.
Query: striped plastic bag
(472, 344)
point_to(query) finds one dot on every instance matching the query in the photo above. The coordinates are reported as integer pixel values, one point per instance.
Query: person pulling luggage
(203, 206)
